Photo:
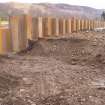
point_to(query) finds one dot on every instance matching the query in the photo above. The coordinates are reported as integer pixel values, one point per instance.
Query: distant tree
(103, 16)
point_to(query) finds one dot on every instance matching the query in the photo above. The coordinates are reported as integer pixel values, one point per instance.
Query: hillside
(46, 9)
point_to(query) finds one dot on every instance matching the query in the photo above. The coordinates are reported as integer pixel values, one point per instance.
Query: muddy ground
(58, 71)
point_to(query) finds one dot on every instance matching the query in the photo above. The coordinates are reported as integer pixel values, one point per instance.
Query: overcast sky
(100, 4)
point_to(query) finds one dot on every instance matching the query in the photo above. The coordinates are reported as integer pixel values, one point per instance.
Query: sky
(99, 4)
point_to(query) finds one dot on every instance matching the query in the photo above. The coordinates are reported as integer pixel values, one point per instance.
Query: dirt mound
(56, 47)
(71, 50)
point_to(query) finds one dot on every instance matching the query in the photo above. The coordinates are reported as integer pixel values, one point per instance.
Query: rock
(99, 84)
(27, 81)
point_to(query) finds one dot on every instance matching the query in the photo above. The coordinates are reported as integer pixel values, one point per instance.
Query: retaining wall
(25, 27)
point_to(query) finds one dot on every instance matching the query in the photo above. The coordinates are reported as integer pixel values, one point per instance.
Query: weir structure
(22, 28)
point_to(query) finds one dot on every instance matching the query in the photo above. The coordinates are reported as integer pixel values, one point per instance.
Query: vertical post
(47, 26)
(18, 32)
(64, 26)
(104, 24)
(44, 26)
(29, 27)
(69, 22)
(92, 24)
(68, 26)
(86, 24)
(78, 25)
(61, 26)
(98, 24)
(74, 25)
(5, 41)
(82, 25)
(40, 30)
(89, 24)
(57, 26)
(49, 23)
(54, 27)
(8, 40)
(35, 28)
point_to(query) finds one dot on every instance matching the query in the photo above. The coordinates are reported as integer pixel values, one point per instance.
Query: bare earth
(64, 71)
